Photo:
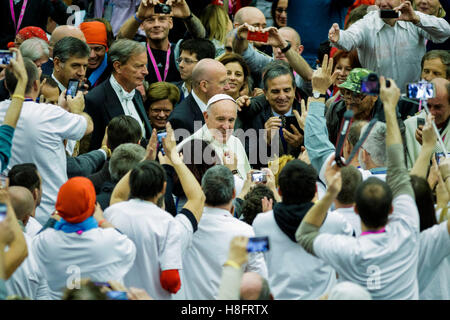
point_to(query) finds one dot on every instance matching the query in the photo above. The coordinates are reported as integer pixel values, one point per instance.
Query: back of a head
(355, 131)
(297, 182)
(424, 201)
(124, 158)
(32, 73)
(375, 143)
(254, 287)
(351, 178)
(69, 47)
(86, 291)
(349, 291)
(356, 14)
(24, 175)
(373, 201)
(22, 202)
(34, 49)
(147, 180)
(252, 202)
(123, 129)
(215, 20)
(218, 185)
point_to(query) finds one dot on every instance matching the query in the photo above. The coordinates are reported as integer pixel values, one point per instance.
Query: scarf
(289, 217)
(86, 225)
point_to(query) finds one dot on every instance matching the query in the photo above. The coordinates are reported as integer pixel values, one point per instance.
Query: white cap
(219, 97)
(349, 291)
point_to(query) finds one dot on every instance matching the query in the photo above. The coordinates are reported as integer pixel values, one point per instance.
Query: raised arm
(191, 187)
(397, 175)
(422, 163)
(180, 9)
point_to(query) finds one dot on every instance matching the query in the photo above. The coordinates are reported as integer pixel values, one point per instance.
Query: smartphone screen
(259, 177)
(117, 295)
(258, 244)
(72, 87)
(420, 122)
(370, 87)
(6, 56)
(421, 91)
(258, 36)
(160, 145)
(3, 211)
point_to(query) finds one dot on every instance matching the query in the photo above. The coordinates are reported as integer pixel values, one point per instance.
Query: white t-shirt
(33, 227)
(350, 215)
(159, 239)
(38, 139)
(295, 274)
(208, 251)
(28, 280)
(434, 263)
(384, 263)
(98, 254)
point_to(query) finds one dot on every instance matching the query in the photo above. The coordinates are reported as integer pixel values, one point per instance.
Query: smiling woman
(237, 74)
(161, 98)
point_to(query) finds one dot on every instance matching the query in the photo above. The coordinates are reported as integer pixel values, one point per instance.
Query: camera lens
(166, 9)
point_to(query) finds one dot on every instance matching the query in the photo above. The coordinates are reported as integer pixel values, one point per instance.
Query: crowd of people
(148, 147)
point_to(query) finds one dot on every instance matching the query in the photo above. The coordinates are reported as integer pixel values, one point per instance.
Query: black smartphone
(388, 14)
(72, 87)
(160, 136)
(420, 122)
(3, 211)
(258, 244)
(291, 120)
(163, 8)
(6, 56)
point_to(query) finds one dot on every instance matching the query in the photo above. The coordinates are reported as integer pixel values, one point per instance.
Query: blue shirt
(6, 136)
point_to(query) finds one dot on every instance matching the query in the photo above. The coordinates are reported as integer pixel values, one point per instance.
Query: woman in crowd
(217, 24)
(279, 13)
(161, 98)
(238, 74)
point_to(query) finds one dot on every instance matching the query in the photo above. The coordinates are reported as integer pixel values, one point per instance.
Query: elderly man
(406, 35)
(97, 40)
(36, 50)
(118, 95)
(220, 115)
(439, 107)
(208, 250)
(436, 64)
(161, 53)
(272, 113)
(209, 78)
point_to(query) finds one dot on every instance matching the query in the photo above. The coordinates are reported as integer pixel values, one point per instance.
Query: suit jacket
(102, 104)
(184, 115)
(85, 164)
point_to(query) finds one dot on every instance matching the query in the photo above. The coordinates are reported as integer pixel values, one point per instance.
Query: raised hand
(243, 102)
(407, 12)
(180, 9)
(389, 95)
(334, 33)
(324, 77)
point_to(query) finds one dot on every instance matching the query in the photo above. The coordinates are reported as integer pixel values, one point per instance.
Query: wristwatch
(286, 49)
(318, 95)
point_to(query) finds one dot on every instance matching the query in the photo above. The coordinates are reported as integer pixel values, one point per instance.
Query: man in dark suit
(209, 78)
(118, 95)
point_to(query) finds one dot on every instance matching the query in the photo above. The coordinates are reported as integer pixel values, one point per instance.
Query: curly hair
(278, 164)
(252, 202)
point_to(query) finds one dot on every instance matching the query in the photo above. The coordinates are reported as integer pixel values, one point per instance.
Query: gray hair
(69, 47)
(34, 49)
(218, 185)
(123, 49)
(124, 158)
(275, 69)
(375, 143)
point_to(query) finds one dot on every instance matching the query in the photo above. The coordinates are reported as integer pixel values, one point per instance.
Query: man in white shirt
(81, 245)
(159, 237)
(208, 251)
(384, 257)
(392, 47)
(295, 274)
(39, 136)
(220, 116)
(27, 281)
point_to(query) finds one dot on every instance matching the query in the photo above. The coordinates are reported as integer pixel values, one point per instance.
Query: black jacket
(184, 115)
(102, 104)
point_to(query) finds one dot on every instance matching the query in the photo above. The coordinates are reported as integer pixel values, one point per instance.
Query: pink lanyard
(373, 232)
(155, 66)
(22, 13)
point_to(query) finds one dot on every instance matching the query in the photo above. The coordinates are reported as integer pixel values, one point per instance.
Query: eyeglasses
(186, 60)
(281, 10)
(156, 111)
(352, 95)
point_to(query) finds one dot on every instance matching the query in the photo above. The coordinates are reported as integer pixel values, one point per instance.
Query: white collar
(217, 211)
(60, 85)
(287, 114)
(200, 103)
(120, 91)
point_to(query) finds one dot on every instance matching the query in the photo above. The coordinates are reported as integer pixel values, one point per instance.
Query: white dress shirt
(394, 52)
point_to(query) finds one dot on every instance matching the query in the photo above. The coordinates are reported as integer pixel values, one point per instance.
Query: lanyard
(22, 13)
(155, 66)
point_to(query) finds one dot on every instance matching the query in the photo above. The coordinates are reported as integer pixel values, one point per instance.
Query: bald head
(206, 68)
(22, 201)
(65, 31)
(254, 287)
(251, 15)
(291, 35)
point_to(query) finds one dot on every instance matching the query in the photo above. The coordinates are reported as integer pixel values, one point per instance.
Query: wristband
(232, 264)
(235, 171)
(137, 19)
(188, 17)
(18, 96)
(284, 50)
(101, 222)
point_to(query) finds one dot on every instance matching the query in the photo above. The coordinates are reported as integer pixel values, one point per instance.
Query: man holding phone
(392, 47)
